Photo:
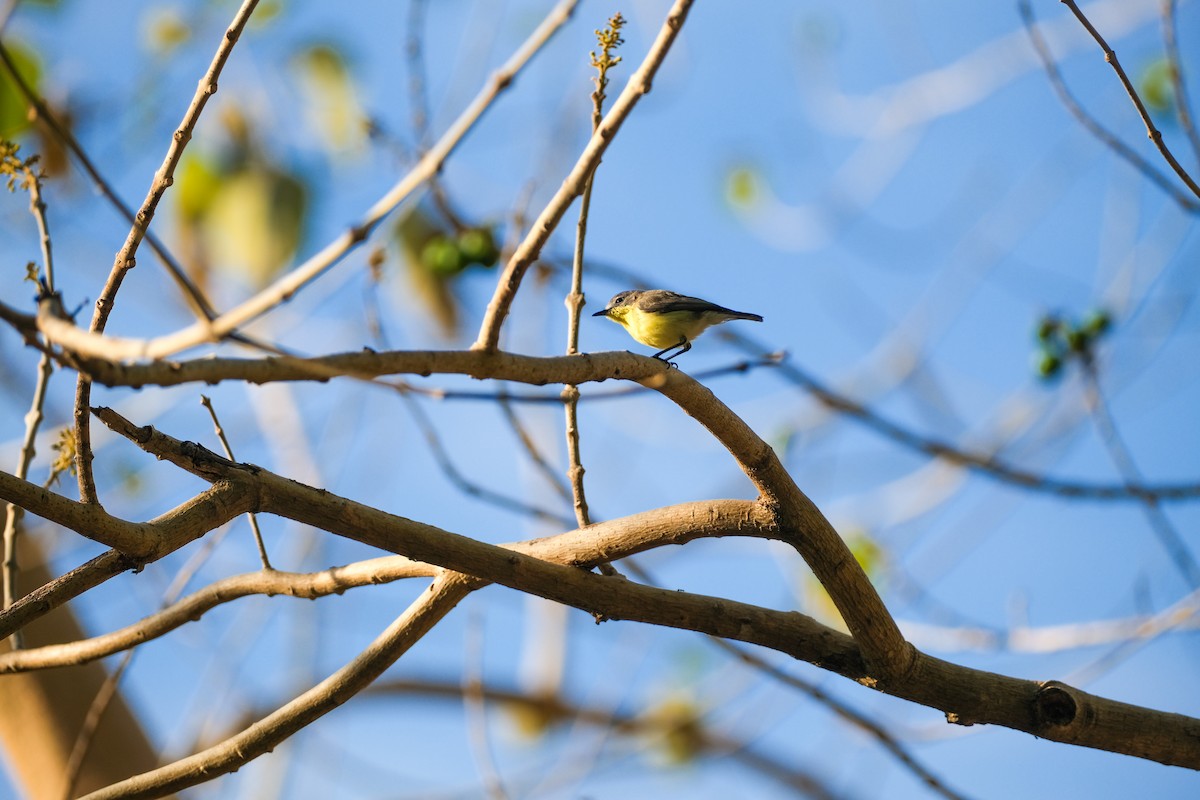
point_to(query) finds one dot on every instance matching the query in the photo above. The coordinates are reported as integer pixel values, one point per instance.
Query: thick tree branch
(967, 696)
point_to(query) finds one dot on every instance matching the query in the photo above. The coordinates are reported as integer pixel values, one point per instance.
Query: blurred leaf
(431, 291)
(266, 13)
(330, 97)
(254, 224)
(1156, 87)
(869, 555)
(678, 729)
(196, 183)
(14, 115)
(164, 29)
(535, 718)
(743, 188)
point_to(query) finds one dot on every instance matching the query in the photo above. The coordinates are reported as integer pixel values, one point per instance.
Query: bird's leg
(683, 346)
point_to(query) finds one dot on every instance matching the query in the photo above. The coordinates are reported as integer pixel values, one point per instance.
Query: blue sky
(934, 234)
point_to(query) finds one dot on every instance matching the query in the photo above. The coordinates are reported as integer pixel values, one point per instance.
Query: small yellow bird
(664, 319)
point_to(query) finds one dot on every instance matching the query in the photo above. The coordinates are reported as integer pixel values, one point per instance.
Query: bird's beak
(601, 313)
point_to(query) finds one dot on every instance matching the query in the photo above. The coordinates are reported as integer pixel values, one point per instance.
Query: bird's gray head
(619, 299)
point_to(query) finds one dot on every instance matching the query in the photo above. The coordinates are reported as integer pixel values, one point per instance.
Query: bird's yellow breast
(660, 330)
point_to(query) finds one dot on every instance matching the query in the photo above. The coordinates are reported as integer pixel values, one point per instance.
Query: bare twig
(258, 539)
(983, 463)
(475, 705)
(846, 712)
(609, 39)
(504, 401)
(649, 722)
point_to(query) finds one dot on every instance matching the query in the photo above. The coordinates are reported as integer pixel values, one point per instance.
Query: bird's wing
(662, 301)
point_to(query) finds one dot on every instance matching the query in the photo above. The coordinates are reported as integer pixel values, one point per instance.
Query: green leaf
(1156, 86)
(14, 114)
(330, 96)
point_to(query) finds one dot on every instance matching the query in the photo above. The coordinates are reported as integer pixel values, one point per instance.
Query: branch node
(1054, 705)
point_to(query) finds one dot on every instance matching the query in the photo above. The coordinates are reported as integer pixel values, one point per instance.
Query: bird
(658, 318)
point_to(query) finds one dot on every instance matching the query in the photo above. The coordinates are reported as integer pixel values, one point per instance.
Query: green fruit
(1097, 322)
(1078, 340)
(478, 246)
(1046, 328)
(442, 257)
(1048, 365)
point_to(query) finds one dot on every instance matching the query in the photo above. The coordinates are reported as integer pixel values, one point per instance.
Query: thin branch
(504, 401)
(707, 739)
(1184, 614)
(1154, 134)
(1110, 434)
(464, 484)
(308, 586)
(609, 40)
(983, 463)
(258, 539)
(846, 712)
(1183, 103)
(1091, 124)
(527, 252)
(443, 595)
(475, 706)
(36, 414)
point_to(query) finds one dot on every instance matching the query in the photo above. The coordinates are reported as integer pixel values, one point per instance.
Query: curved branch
(588, 367)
